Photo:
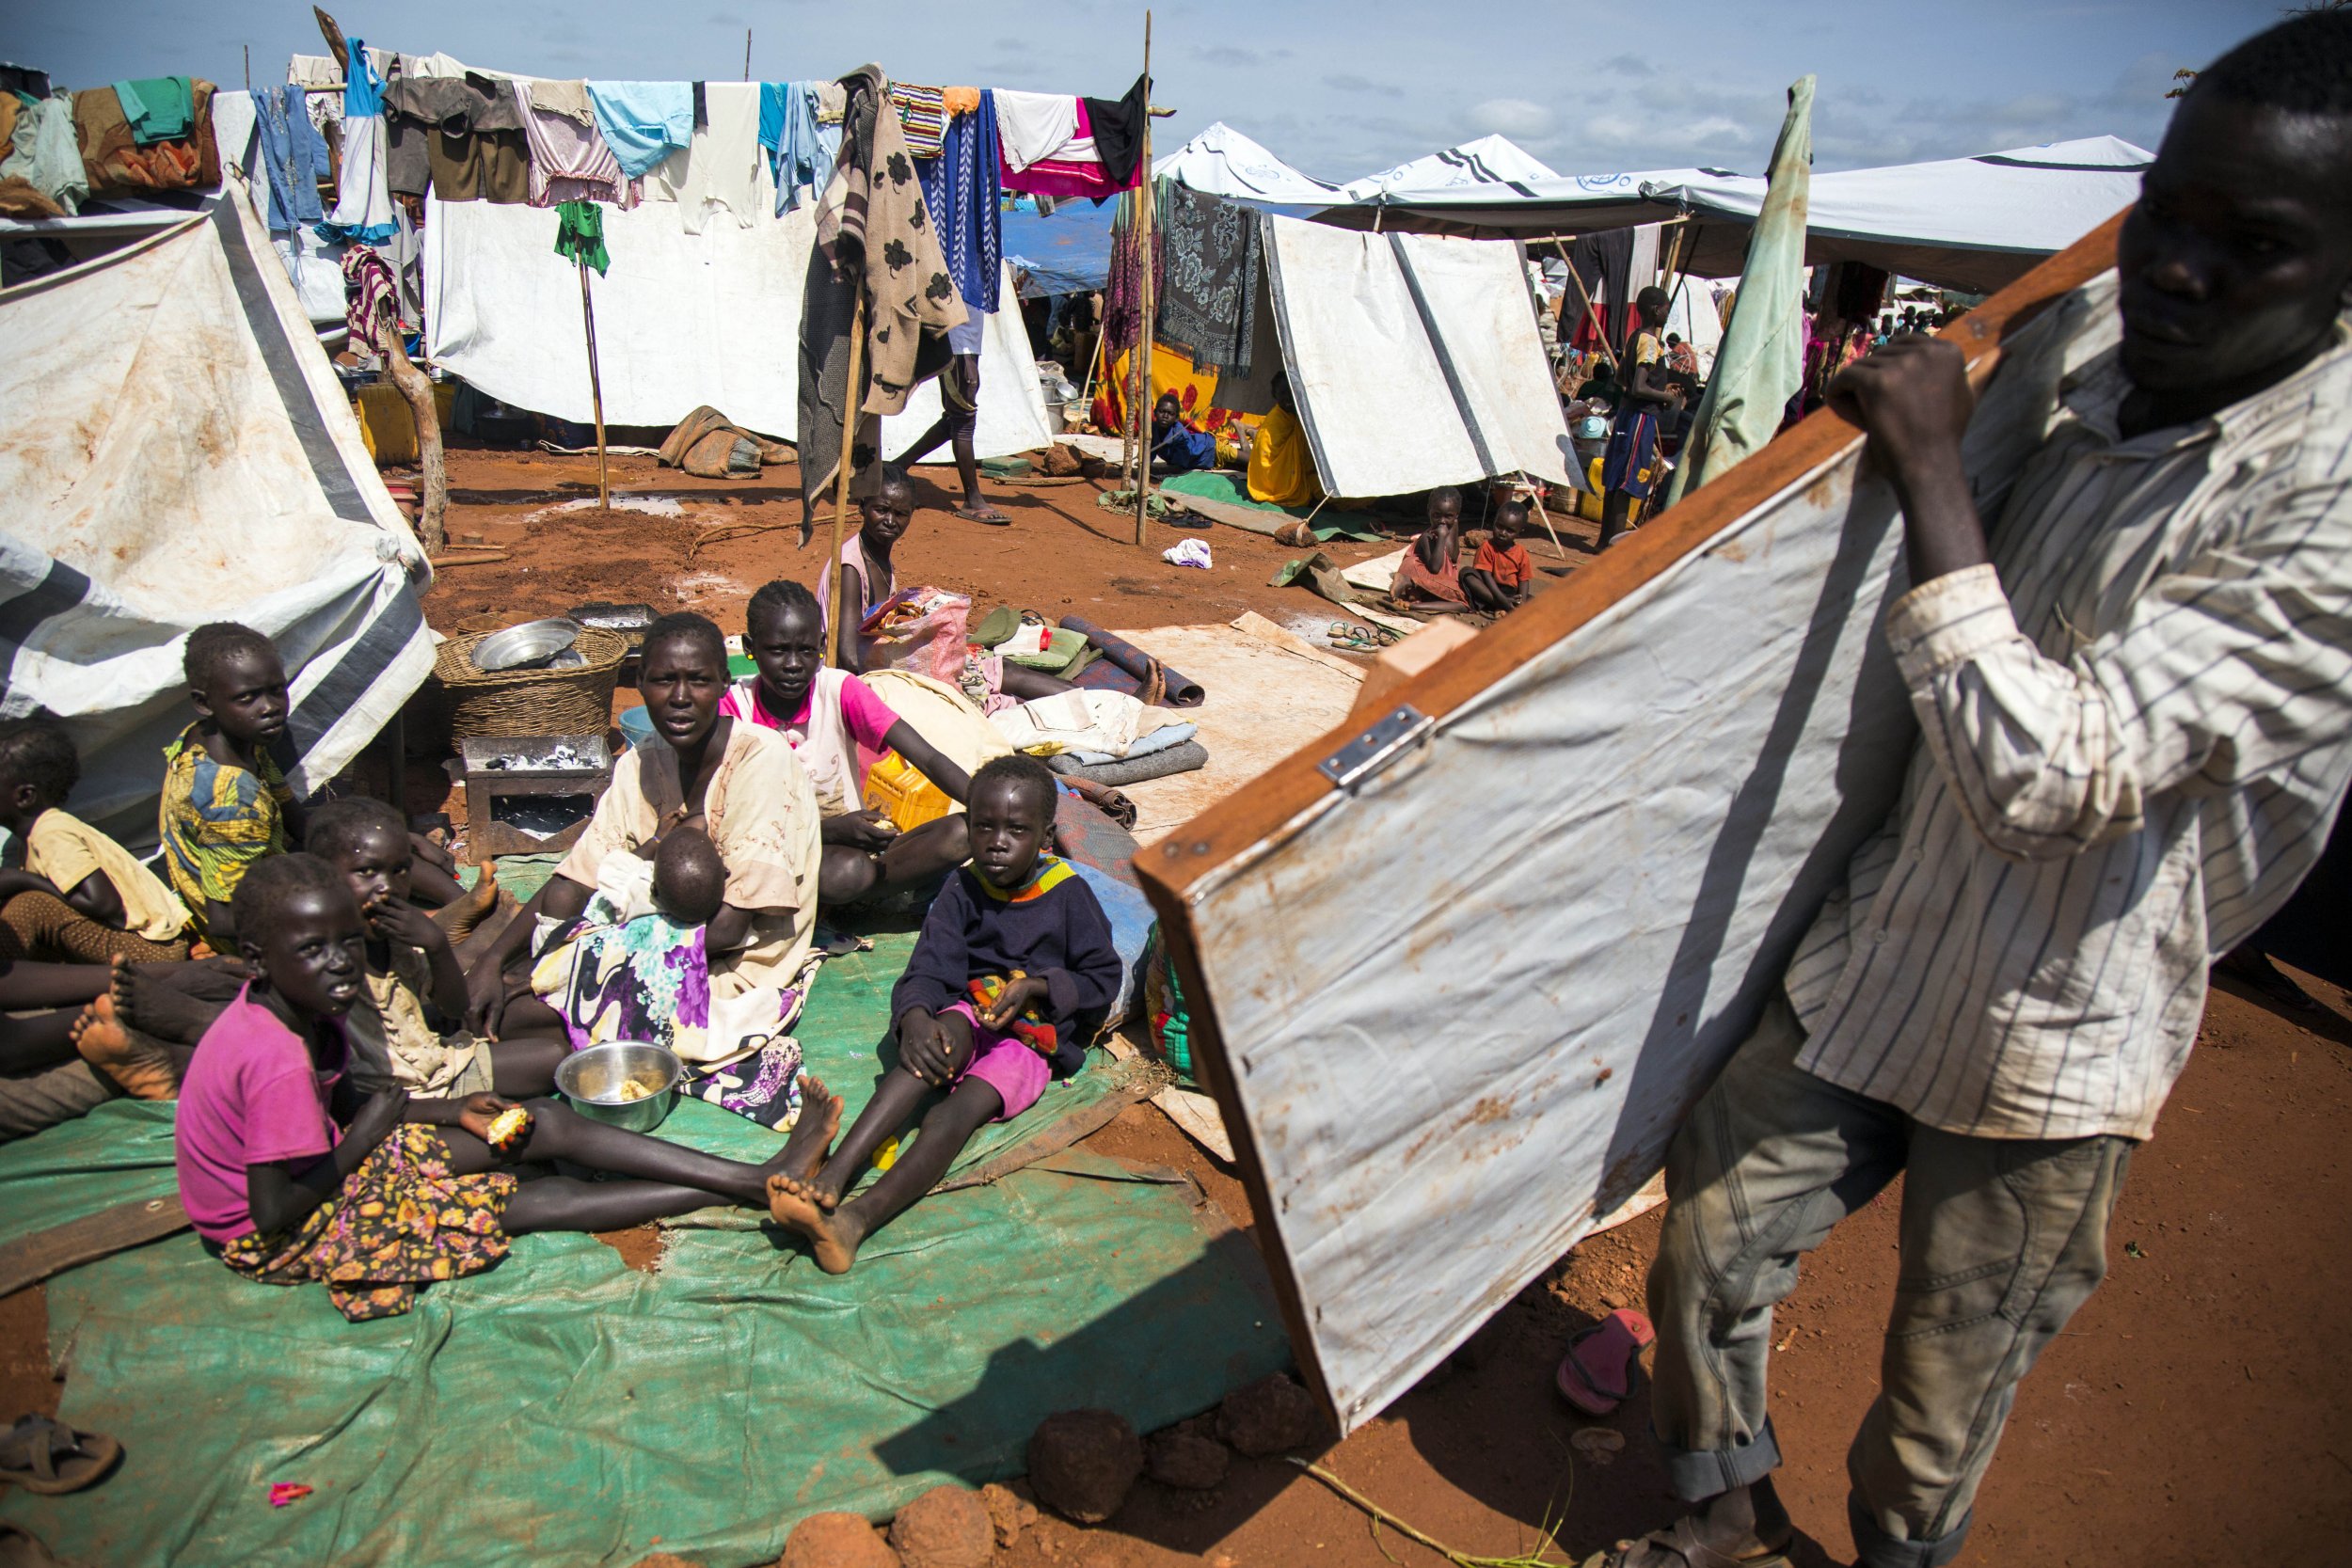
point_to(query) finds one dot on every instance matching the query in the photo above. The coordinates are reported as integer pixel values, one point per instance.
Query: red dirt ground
(2199, 1412)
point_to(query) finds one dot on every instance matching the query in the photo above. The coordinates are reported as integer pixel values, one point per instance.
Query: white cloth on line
(363, 199)
(722, 167)
(1034, 125)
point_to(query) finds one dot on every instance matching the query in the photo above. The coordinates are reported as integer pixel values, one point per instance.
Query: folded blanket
(1159, 765)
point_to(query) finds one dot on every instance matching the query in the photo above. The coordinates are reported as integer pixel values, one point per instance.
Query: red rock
(1083, 1462)
(1270, 1415)
(1009, 1510)
(944, 1528)
(1186, 1458)
(836, 1541)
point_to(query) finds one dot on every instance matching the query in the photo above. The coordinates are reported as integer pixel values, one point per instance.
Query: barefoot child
(293, 1177)
(1017, 919)
(1499, 578)
(71, 894)
(226, 806)
(1430, 571)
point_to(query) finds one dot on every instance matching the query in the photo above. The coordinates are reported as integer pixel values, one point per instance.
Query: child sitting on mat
(293, 1177)
(1009, 981)
(70, 894)
(1499, 579)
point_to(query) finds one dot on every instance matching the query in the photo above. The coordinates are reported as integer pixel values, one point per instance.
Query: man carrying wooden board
(2136, 705)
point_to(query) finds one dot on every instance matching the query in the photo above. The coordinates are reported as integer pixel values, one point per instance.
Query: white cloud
(1511, 117)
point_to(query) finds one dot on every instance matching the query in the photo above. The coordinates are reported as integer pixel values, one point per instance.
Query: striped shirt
(2135, 729)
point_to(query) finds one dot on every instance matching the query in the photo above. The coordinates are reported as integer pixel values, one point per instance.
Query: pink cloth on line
(252, 1096)
(1018, 1074)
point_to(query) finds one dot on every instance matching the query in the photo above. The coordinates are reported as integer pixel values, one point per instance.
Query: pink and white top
(252, 1096)
(840, 731)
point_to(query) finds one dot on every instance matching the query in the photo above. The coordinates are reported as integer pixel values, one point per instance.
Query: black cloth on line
(1117, 125)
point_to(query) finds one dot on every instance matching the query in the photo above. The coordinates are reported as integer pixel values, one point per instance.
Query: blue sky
(1339, 87)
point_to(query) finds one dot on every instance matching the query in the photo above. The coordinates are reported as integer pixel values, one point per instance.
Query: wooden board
(1452, 1013)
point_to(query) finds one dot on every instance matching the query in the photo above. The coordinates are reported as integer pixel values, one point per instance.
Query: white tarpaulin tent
(1223, 162)
(177, 451)
(682, 319)
(1488, 160)
(1415, 360)
(1457, 969)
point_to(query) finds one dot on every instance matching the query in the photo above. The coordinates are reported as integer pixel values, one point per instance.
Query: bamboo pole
(851, 399)
(1147, 335)
(596, 389)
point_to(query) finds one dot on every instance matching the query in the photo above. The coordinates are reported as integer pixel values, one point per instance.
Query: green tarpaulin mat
(563, 1409)
(1227, 489)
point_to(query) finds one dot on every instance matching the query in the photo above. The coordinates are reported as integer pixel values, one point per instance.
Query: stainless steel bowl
(593, 1080)
(533, 642)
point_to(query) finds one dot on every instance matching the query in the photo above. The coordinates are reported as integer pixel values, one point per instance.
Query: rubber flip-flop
(1597, 1372)
(988, 515)
(51, 1458)
(1682, 1540)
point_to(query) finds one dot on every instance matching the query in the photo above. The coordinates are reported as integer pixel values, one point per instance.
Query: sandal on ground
(50, 1458)
(1682, 1538)
(1597, 1372)
(20, 1549)
(984, 513)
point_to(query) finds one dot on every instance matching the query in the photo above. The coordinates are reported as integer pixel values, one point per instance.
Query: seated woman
(1431, 571)
(1282, 469)
(866, 558)
(740, 783)
(291, 1178)
(838, 727)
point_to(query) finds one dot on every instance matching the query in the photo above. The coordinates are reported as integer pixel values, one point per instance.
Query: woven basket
(578, 701)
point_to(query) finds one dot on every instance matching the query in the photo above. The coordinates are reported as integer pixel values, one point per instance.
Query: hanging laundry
(960, 187)
(369, 287)
(1211, 276)
(569, 160)
(719, 170)
(1073, 169)
(363, 193)
(157, 107)
(801, 151)
(1033, 125)
(644, 122)
(463, 134)
(1117, 128)
(42, 175)
(871, 225)
(959, 101)
(922, 116)
(112, 159)
(579, 235)
(293, 153)
(1122, 288)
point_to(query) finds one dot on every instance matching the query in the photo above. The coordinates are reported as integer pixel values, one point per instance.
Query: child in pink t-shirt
(838, 727)
(293, 1178)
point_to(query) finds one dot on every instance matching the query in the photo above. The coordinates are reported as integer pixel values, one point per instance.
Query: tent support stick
(416, 389)
(1599, 327)
(1536, 498)
(1149, 336)
(851, 397)
(596, 390)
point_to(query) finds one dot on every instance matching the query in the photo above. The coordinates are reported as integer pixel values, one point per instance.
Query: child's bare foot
(458, 920)
(147, 1000)
(792, 1204)
(142, 1067)
(810, 1138)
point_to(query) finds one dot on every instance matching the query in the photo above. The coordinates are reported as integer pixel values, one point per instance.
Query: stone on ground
(1272, 1414)
(836, 1541)
(1009, 1510)
(945, 1527)
(1082, 1462)
(1186, 1459)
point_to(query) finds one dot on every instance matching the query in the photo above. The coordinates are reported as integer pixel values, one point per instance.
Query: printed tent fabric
(1220, 161)
(682, 319)
(119, 532)
(701, 1406)
(1415, 360)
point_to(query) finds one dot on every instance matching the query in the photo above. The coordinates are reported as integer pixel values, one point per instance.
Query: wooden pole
(747, 54)
(1599, 326)
(416, 389)
(850, 400)
(1148, 336)
(596, 389)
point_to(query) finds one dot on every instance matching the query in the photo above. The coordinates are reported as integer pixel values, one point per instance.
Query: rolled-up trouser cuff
(1698, 1474)
(1875, 1548)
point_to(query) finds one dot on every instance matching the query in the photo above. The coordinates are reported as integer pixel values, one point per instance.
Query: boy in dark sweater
(1009, 979)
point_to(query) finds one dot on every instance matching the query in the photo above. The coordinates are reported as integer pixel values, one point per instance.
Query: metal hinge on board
(1389, 738)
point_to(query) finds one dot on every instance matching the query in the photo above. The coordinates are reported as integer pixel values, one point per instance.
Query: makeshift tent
(1415, 359)
(1457, 974)
(682, 319)
(1975, 224)
(179, 452)
(1488, 160)
(1221, 161)
(1067, 251)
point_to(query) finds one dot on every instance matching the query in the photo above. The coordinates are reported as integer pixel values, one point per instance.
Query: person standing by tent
(959, 423)
(2135, 705)
(1625, 471)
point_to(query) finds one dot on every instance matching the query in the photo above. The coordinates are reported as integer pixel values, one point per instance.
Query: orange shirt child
(1510, 565)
